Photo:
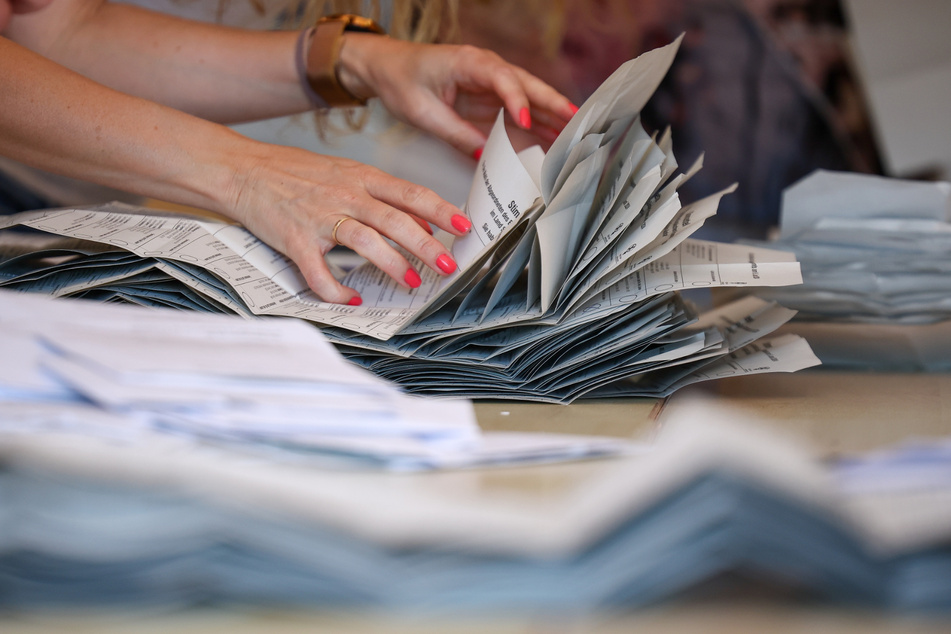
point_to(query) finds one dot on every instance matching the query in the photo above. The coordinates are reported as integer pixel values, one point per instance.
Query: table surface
(834, 412)
(711, 618)
(837, 412)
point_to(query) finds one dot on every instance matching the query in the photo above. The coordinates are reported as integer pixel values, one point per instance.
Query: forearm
(221, 74)
(56, 120)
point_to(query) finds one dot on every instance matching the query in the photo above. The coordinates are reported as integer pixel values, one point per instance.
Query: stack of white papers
(876, 266)
(567, 284)
(873, 249)
(274, 384)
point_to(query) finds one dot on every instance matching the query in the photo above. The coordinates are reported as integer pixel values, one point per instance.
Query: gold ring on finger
(333, 234)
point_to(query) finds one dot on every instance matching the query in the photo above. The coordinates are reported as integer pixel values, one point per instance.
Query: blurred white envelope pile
(98, 368)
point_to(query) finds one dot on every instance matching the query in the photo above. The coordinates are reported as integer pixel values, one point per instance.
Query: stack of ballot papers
(568, 284)
(874, 251)
(716, 500)
(268, 385)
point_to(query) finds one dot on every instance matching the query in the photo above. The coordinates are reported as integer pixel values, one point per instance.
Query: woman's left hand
(453, 92)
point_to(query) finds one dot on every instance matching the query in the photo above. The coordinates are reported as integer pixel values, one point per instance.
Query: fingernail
(412, 279)
(477, 154)
(461, 223)
(355, 301)
(524, 118)
(574, 109)
(445, 263)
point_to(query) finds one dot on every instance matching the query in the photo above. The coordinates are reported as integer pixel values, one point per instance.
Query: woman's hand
(453, 92)
(296, 201)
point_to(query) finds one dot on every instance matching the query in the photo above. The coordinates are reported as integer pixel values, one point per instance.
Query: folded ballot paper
(270, 385)
(566, 287)
(876, 266)
(91, 522)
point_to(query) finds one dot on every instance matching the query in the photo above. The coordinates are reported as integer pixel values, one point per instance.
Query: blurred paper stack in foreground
(272, 386)
(716, 502)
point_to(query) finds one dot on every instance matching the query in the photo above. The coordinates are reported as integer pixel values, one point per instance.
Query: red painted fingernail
(574, 109)
(412, 279)
(477, 154)
(524, 118)
(446, 263)
(355, 301)
(461, 223)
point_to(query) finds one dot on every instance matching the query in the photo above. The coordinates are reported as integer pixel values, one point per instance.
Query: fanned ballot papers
(567, 284)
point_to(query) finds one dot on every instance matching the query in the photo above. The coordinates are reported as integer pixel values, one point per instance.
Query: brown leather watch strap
(324, 54)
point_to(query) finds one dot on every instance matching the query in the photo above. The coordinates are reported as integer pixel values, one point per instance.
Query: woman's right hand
(294, 199)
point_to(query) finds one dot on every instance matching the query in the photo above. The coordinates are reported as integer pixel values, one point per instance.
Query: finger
(479, 108)
(479, 70)
(545, 133)
(412, 199)
(322, 282)
(369, 243)
(445, 123)
(520, 91)
(544, 97)
(422, 223)
(508, 86)
(402, 229)
(307, 248)
(548, 119)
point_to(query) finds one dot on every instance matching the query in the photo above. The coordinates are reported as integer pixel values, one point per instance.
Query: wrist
(223, 172)
(331, 73)
(352, 65)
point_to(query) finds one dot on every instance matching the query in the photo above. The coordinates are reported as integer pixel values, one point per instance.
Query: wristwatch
(321, 66)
